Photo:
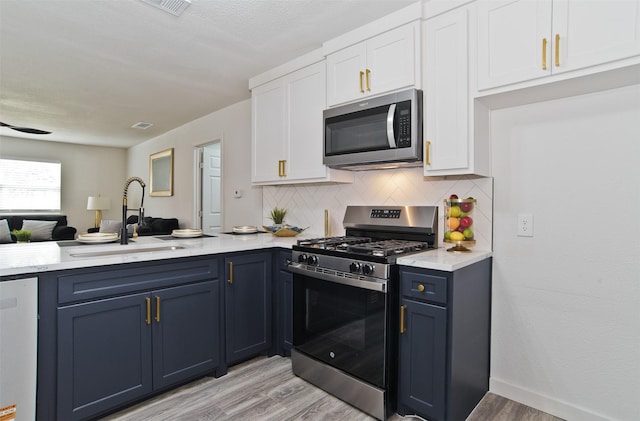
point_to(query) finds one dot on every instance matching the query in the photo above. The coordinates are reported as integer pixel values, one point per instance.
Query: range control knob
(302, 258)
(312, 260)
(354, 267)
(367, 269)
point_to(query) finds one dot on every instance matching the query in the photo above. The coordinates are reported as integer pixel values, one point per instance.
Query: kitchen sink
(125, 250)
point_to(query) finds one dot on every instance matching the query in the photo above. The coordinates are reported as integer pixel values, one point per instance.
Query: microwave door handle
(391, 137)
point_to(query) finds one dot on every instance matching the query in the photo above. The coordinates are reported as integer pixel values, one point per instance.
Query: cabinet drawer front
(424, 287)
(89, 284)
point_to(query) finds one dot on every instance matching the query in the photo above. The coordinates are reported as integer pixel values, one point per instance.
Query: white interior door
(211, 188)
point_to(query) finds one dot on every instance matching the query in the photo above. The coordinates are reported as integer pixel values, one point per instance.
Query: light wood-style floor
(265, 389)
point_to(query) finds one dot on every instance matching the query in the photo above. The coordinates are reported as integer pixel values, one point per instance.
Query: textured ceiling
(87, 70)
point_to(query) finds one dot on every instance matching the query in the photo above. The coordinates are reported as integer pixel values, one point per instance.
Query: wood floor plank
(265, 389)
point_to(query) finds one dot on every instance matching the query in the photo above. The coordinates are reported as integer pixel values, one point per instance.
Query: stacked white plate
(187, 233)
(244, 229)
(98, 237)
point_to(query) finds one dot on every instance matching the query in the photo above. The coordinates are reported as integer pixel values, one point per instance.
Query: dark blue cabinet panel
(104, 355)
(284, 302)
(185, 332)
(248, 305)
(444, 352)
(423, 358)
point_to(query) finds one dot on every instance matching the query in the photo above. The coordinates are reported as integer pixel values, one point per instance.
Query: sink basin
(124, 250)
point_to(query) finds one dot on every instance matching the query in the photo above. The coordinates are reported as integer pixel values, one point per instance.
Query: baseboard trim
(542, 402)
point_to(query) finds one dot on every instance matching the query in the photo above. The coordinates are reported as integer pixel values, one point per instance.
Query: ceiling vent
(175, 7)
(141, 125)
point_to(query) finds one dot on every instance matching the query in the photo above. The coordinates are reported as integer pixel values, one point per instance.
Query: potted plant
(22, 236)
(277, 215)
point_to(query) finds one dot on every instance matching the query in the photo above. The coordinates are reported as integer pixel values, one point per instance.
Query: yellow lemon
(455, 211)
(457, 236)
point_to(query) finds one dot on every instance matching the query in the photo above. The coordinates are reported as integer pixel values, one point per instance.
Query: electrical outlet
(525, 225)
(237, 193)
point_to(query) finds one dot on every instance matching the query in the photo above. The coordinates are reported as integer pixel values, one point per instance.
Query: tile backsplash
(401, 187)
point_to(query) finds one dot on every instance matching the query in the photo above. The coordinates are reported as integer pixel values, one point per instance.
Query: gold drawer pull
(544, 54)
(421, 288)
(427, 148)
(157, 309)
(148, 319)
(402, 326)
(230, 280)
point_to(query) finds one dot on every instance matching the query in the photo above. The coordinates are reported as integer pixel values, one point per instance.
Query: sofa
(150, 226)
(41, 231)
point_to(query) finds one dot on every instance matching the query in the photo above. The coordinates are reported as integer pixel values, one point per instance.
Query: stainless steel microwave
(382, 132)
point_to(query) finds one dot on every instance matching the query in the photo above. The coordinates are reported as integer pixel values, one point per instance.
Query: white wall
(86, 171)
(406, 187)
(566, 302)
(232, 126)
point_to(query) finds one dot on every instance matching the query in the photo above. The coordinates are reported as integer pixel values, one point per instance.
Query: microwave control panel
(403, 124)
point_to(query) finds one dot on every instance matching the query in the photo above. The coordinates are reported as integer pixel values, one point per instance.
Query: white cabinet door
(345, 74)
(381, 64)
(306, 101)
(268, 131)
(446, 97)
(391, 60)
(514, 42)
(587, 33)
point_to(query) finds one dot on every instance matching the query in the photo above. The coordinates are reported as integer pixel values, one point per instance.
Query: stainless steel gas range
(345, 303)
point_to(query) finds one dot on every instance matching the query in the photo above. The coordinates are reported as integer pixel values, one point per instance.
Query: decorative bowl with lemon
(458, 223)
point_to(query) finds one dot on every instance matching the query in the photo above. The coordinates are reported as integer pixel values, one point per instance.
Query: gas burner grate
(333, 243)
(387, 248)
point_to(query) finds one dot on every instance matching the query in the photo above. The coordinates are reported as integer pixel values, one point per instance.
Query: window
(29, 185)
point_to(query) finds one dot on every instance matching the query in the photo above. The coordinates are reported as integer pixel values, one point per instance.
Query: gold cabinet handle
(402, 326)
(421, 288)
(148, 319)
(157, 309)
(361, 87)
(230, 280)
(367, 76)
(544, 54)
(284, 168)
(280, 168)
(427, 148)
(557, 50)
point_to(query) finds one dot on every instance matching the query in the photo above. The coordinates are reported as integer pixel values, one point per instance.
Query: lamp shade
(98, 203)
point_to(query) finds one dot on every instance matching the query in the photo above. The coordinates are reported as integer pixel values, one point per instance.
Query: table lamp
(98, 204)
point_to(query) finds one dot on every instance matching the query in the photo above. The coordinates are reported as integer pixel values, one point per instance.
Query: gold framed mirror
(161, 173)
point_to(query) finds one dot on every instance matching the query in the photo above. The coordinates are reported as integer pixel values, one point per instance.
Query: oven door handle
(391, 136)
(374, 285)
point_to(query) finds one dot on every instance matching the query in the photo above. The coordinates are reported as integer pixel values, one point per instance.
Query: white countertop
(33, 258)
(441, 259)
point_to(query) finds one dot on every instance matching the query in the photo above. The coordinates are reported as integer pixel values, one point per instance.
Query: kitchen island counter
(19, 260)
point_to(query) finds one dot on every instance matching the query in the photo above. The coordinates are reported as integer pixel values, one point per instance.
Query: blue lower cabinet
(115, 350)
(248, 306)
(443, 369)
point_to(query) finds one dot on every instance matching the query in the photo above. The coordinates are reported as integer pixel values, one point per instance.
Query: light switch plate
(525, 225)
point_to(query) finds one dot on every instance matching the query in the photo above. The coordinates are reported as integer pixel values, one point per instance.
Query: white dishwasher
(18, 349)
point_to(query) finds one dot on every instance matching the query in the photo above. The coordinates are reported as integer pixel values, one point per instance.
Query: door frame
(197, 181)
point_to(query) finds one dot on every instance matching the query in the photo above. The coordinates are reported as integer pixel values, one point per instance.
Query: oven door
(344, 326)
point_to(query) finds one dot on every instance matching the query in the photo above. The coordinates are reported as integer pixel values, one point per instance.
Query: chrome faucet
(124, 239)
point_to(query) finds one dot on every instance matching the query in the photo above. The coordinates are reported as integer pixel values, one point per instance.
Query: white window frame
(24, 189)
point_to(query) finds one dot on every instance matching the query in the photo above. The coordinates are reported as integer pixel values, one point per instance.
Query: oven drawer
(423, 287)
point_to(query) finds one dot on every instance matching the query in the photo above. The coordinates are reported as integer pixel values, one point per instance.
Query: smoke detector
(175, 7)
(141, 125)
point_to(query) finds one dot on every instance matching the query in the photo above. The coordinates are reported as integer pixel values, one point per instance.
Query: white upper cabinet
(522, 40)
(287, 130)
(381, 64)
(451, 145)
